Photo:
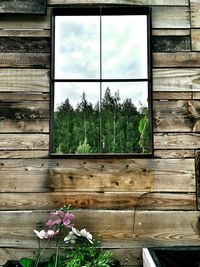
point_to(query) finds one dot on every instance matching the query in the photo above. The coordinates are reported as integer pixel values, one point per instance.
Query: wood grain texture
(24, 33)
(85, 200)
(24, 81)
(176, 141)
(195, 39)
(134, 2)
(23, 6)
(177, 116)
(24, 60)
(181, 59)
(166, 17)
(24, 45)
(175, 80)
(170, 43)
(23, 141)
(174, 154)
(138, 175)
(24, 154)
(195, 13)
(172, 95)
(33, 125)
(125, 229)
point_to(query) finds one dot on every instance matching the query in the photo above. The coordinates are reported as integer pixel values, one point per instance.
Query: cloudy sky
(77, 56)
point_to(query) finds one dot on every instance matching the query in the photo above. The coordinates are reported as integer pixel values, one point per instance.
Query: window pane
(125, 121)
(76, 118)
(77, 45)
(124, 47)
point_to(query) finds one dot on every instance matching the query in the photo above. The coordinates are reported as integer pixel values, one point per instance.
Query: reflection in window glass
(77, 47)
(124, 47)
(101, 83)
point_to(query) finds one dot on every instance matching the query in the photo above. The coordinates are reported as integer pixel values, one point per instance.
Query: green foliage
(83, 147)
(26, 262)
(112, 126)
(86, 255)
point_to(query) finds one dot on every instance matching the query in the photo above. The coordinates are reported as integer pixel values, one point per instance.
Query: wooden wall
(131, 203)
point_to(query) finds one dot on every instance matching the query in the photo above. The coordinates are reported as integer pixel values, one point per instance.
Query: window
(101, 81)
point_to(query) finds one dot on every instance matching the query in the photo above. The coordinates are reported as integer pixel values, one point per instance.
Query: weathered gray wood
(181, 59)
(23, 81)
(25, 33)
(24, 60)
(195, 13)
(171, 95)
(134, 2)
(169, 32)
(24, 45)
(170, 17)
(170, 43)
(195, 39)
(125, 229)
(177, 141)
(136, 175)
(23, 6)
(25, 95)
(24, 154)
(196, 95)
(23, 141)
(177, 116)
(85, 200)
(28, 125)
(174, 154)
(176, 80)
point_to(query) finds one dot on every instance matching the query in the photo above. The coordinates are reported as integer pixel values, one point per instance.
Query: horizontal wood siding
(127, 203)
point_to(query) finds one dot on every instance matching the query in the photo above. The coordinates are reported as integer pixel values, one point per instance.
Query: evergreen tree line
(109, 127)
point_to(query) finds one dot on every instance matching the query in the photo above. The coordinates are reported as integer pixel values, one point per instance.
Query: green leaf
(26, 262)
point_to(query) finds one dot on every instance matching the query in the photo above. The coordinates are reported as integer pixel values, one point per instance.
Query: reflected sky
(124, 47)
(138, 92)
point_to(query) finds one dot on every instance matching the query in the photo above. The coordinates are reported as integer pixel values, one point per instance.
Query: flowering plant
(77, 249)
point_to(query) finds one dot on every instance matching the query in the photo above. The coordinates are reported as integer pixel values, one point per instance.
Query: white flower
(83, 233)
(41, 234)
(70, 238)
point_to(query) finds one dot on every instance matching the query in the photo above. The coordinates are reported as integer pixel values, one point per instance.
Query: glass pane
(124, 47)
(125, 118)
(77, 45)
(76, 118)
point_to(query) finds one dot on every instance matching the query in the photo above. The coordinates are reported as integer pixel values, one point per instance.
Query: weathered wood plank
(23, 141)
(25, 95)
(195, 13)
(170, 17)
(24, 81)
(171, 95)
(174, 154)
(176, 141)
(181, 59)
(24, 60)
(196, 95)
(114, 228)
(168, 32)
(26, 22)
(176, 80)
(197, 176)
(33, 125)
(25, 33)
(24, 110)
(137, 175)
(134, 2)
(195, 39)
(88, 200)
(176, 116)
(24, 154)
(23, 6)
(24, 45)
(170, 43)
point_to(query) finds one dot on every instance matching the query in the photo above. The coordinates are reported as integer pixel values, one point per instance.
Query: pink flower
(60, 217)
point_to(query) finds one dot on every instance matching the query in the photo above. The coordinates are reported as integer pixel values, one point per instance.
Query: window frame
(101, 10)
